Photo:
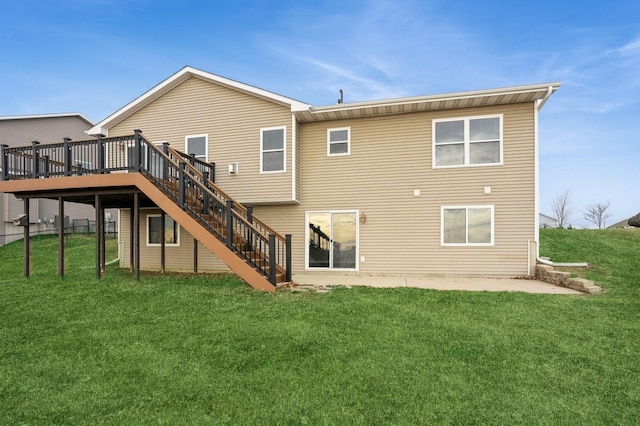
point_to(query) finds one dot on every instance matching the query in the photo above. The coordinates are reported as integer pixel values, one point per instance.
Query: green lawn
(210, 350)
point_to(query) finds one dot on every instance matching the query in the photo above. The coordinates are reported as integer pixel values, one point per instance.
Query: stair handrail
(225, 196)
(270, 239)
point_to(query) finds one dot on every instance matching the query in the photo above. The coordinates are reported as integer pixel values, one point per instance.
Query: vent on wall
(233, 168)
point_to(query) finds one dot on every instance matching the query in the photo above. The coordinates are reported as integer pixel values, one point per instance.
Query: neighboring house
(622, 224)
(547, 221)
(426, 185)
(21, 130)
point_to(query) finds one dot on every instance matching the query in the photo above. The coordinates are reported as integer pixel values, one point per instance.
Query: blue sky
(94, 56)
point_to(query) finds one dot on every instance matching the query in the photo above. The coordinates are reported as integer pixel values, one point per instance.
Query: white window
(154, 231)
(467, 226)
(471, 141)
(197, 145)
(339, 141)
(332, 240)
(272, 149)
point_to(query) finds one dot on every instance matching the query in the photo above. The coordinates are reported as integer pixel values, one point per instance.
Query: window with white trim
(332, 239)
(471, 141)
(197, 145)
(272, 149)
(467, 226)
(154, 231)
(339, 141)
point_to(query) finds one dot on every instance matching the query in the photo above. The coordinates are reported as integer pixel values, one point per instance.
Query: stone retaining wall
(548, 274)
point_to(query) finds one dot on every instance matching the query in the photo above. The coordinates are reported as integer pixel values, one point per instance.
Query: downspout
(574, 265)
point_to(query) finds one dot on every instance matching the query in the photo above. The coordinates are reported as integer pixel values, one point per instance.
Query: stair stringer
(213, 244)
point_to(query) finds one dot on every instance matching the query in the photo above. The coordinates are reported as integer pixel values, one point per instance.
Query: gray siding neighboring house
(547, 221)
(21, 130)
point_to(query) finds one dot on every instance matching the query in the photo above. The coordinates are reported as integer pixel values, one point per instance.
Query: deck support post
(162, 242)
(136, 235)
(103, 240)
(27, 240)
(195, 255)
(131, 214)
(288, 257)
(99, 237)
(60, 237)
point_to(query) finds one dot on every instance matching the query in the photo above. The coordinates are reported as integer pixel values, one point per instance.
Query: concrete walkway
(436, 283)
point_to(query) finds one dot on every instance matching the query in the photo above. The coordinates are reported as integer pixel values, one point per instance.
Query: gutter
(546, 97)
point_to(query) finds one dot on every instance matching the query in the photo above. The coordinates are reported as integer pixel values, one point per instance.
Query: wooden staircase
(190, 187)
(218, 227)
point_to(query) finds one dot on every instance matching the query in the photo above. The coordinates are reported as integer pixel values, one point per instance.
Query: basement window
(154, 231)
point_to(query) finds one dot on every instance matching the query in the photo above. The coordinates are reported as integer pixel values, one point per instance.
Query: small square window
(339, 141)
(197, 145)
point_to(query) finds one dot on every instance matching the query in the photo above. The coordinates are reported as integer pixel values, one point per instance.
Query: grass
(180, 349)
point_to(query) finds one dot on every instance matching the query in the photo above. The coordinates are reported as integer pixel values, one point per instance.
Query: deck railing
(188, 181)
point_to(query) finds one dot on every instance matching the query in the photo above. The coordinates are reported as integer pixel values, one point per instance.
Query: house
(622, 224)
(23, 129)
(547, 221)
(212, 174)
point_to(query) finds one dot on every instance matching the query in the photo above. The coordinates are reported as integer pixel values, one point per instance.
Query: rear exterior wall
(391, 157)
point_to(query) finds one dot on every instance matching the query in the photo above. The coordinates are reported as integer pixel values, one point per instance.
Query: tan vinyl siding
(232, 120)
(390, 158)
(178, 258)
(298, 150)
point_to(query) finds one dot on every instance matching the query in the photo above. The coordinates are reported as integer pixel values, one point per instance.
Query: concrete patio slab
(436, 283)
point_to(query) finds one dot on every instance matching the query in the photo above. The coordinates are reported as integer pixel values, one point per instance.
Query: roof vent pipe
(341, 100)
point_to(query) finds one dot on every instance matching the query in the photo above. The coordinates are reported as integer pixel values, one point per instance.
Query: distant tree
(561, 208)
(634, 221)
(598, 213)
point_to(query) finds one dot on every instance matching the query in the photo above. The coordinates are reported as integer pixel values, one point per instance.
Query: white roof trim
(441, 97)
(431, 102)
(32, 116)
(180, 77)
